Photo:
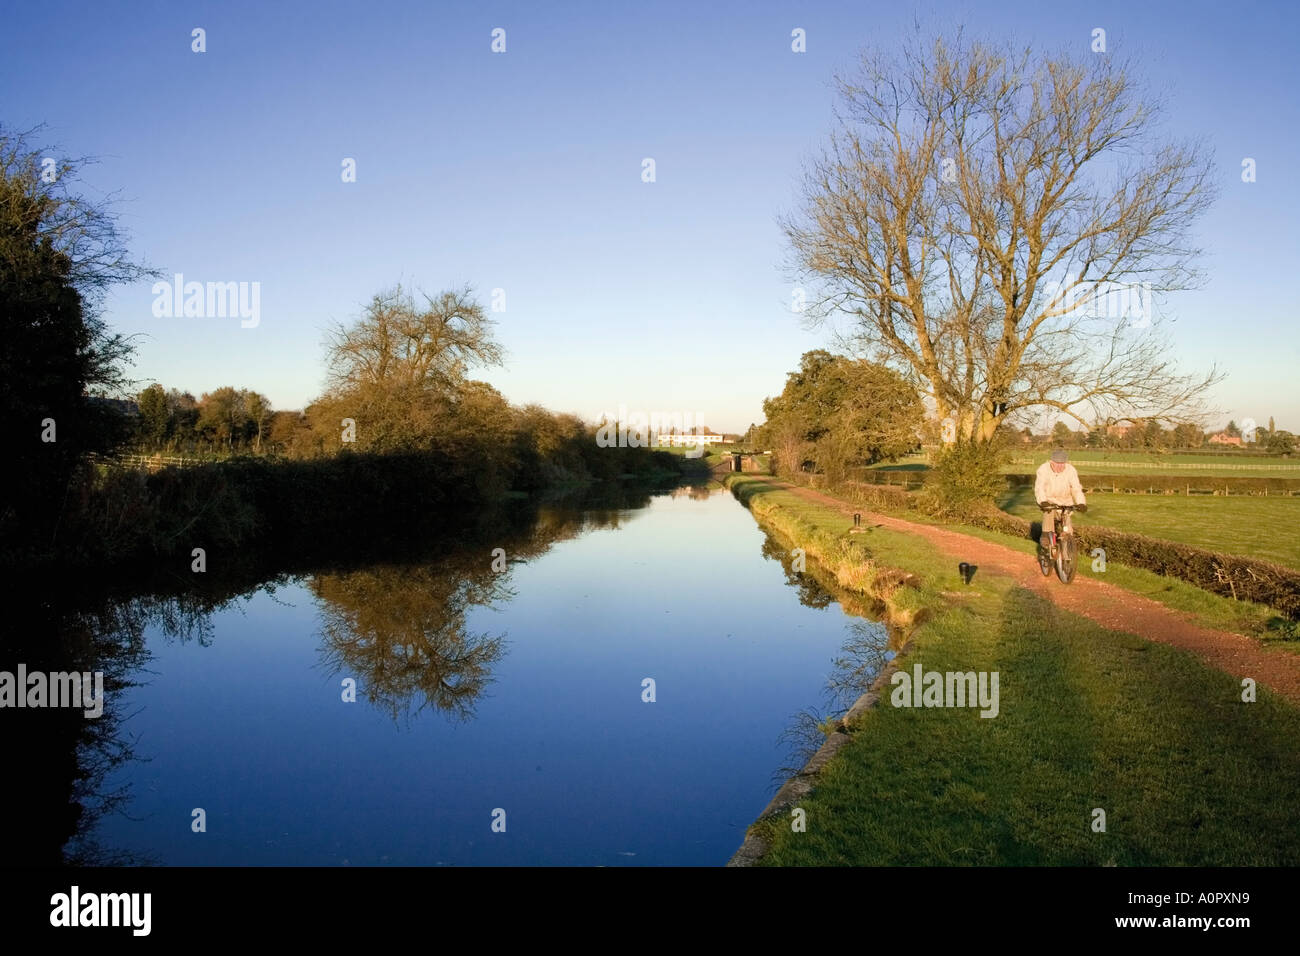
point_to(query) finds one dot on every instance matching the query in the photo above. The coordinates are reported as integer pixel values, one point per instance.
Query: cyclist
(1057, 483)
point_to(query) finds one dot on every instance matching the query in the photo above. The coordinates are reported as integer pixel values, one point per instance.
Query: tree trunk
(988, 426)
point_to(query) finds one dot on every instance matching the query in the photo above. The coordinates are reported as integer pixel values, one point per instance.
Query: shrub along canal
(509, 689)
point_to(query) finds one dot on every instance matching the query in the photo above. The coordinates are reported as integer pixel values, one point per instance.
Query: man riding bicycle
(1057, 483)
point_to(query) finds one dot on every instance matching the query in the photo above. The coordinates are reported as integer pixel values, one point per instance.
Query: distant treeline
(359, 468)
(523, 447)
(1152, 436)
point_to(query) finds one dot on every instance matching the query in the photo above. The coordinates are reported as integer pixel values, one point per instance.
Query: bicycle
(1062, 551)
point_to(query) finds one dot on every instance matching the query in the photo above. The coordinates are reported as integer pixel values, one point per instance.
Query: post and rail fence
(150, 462)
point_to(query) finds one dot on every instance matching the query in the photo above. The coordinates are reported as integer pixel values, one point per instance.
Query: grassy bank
(848, 559)
(1088, 718)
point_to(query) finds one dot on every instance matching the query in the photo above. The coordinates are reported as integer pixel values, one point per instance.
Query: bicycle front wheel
(1065, 558)
(1044, 560)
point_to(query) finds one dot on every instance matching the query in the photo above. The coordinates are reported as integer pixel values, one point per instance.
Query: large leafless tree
(401, 372)
(399, 343)
(998, 224)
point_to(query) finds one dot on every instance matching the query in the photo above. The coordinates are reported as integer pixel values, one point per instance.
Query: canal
(598, 686)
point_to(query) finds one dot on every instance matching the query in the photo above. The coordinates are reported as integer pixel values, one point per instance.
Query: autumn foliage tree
(836, 413)
(401, 371)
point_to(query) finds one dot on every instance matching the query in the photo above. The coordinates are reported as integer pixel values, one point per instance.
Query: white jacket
(1059, 489)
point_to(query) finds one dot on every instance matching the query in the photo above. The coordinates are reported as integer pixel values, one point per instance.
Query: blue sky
(522, 172)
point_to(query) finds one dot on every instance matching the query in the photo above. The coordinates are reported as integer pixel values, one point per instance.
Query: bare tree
(973, 209)
(400, 344)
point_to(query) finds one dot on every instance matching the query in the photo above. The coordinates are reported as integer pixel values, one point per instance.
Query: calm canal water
(477, 691)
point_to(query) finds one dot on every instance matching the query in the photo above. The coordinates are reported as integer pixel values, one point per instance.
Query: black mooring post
(964, 568)
(857, 519)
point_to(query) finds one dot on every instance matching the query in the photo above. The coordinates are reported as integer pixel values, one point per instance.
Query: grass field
(1247, 525)
(1134, 463)
(1088, 718)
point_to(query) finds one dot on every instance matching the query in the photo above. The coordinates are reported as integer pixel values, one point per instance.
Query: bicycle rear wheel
(1065, 558)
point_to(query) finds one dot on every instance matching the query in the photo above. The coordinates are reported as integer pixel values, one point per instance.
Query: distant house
(1118, 431)
(1224, 439)
(677, 439)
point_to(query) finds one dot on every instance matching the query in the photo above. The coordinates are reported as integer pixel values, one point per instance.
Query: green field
(1134, 463)
(1248, 525)
(1138, 463)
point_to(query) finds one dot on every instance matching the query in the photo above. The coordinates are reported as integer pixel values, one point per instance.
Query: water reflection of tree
(811, 592)
(866, 650)
(57, 761)
(696, 491)
(864, 654)
(57, 765)
(109, 636)
(401, 632)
